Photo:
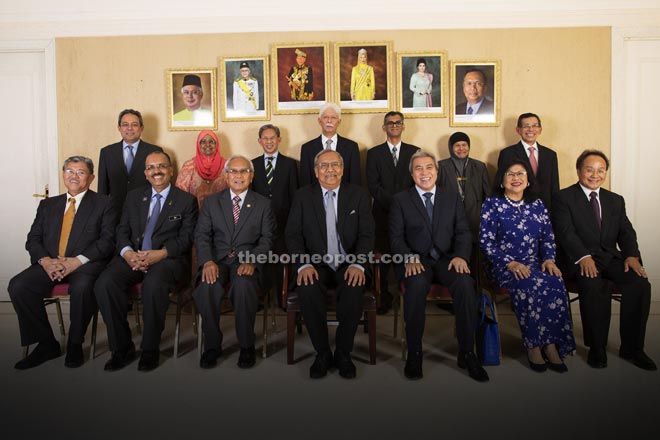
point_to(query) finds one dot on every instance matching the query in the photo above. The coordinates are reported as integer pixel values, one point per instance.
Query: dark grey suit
(218, 239)
(92, 235)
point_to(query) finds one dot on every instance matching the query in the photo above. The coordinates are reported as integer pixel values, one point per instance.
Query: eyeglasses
(79, 173)
(534, 126)
(242, 171)
(516, 174)
(394, 123)
(207, 142)
(324, 166)
(160, 166)
(129, 124)
(473, 84)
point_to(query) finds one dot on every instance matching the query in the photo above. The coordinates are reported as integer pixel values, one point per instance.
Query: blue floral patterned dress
(522, 232)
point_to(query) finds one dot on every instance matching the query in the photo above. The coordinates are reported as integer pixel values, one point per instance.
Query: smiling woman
(203, 174)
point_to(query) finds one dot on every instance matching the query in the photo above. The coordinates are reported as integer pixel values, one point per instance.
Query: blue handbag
(488, 334)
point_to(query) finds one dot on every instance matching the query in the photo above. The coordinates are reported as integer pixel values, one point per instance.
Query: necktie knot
(237, 200)
(593, 195)
(428, 196)
(328, 144)
(470, 111)
(72, 201)
(129, 157)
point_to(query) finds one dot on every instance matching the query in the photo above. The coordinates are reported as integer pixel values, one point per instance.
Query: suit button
(270, 196)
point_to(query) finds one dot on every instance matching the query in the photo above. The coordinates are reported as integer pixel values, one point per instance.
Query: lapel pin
(249, 206)
(145, 199)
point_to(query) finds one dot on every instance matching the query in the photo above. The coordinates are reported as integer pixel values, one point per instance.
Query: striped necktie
(269, 171)
(236, 210)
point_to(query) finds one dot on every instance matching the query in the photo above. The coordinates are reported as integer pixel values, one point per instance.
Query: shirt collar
(421, 192)
(78, 197)
(398, 146)
(587, 191)
(334, 140)
(126, 144)
(526, 146)
(163, 193)
(241, 195)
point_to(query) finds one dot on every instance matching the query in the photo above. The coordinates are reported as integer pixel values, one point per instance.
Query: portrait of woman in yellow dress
(363, 83)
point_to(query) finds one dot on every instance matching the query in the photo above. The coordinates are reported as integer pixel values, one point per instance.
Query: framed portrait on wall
(191, 101)
(245, 85)
(475, 93)
(422, 84)
(363, 76)
(300, 77)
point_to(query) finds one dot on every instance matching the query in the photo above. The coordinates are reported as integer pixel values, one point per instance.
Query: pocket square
(352, 212)
(175, 217)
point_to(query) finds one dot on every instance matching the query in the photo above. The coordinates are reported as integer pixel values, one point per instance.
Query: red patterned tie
(532, 160)
(237, 208)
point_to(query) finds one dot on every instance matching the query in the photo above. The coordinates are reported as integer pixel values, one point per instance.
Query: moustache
(157, 175)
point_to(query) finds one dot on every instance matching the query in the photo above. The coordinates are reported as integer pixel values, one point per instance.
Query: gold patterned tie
(67, 222)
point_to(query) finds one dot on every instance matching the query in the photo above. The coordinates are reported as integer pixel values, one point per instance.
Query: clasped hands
(142, 260)
(58, 268)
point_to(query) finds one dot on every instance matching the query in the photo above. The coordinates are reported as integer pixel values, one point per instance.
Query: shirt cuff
(357, 266)
(304, 266)
(578, 261)
(83, 259)
(125, 249)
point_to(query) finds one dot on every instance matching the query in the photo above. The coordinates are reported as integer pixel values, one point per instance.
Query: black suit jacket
(412, 233)
(306, 233)
(280, 192)
(577, 232)
(174, 228)
(348, 150)
(92, 232)
(114, 180)
(547, 176)
(477, 188)
(384, 180)
(216, 235)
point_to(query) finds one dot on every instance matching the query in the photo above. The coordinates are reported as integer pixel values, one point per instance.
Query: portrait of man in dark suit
(329, 120)
(387, 174)
(474, 99)
(121, 165)
(331, 219)
(429, 227)
(71, 240)
(154, 242)
(600, 246)
(541, 160)
(234, 224)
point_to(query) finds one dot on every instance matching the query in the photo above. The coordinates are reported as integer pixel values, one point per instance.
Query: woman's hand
(550, 267)
(519, 270)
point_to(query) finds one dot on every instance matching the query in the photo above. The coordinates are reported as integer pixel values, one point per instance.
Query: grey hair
(269, 127)
(422, 153)
(240, 156)
(322, 152)
(76, 159)
(327, 106)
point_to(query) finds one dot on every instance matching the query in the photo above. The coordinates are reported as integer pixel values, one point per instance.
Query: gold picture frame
(245, 98)
(192, 99)
(487, 113)
(422, 91)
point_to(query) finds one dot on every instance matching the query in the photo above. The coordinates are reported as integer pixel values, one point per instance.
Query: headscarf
(208, 167)
(458, 163)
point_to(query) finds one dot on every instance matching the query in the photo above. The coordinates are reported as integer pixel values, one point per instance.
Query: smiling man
(429, 227)
(154, 239)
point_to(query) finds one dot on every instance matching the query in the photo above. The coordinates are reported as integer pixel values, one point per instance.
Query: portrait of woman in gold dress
(363, 83)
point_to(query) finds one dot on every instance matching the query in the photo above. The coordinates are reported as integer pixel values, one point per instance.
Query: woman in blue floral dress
(516, 236)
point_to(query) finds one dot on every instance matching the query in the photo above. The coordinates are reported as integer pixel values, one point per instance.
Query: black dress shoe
(247, 358)
(539, 368)
(44, 351)
(148, 360)
(120, 359)
(467, 359)
(210, 358)
(321, 364)
(74, 356)
(597, 357)
(413, 368)
(344, 364)
(639, 358)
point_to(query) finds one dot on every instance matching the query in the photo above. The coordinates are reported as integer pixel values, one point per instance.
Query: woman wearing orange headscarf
(203, 174)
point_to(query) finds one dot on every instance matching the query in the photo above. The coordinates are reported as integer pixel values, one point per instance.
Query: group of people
(140, 228)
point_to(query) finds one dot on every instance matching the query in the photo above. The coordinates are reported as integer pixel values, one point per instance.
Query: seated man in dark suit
(121, 165)
(429, 228)
(594, 232)
(235, 228)
(541, 160)
(275, 177)
(330, 220)
(154, 241)
(329, 120)
(71, 240)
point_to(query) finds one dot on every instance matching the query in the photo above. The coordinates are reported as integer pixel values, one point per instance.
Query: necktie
(469, 111)
(269, 170)
(331, 228)
(532, 160)
(151, 224)
(328, 144)
(129, 157)
(394, 155)
(595, 207)
(428, 204)
(67, 222)
(236, 210)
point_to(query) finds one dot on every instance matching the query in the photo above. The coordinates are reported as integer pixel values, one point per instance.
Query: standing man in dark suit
(121, 165)
(543, 163)
(329, 120)
(387, 174)
(70, 241)
(275, 177)
(154, 240)
(235, 228)
(331, 220)
(591, 226)
(429, 228)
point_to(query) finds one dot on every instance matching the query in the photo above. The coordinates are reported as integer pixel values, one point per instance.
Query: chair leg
(264, 349)
(60, 321)
(200, 336)
(299, 323)
(395, 323)
(25, 350)
(95, 322)
(136, 312)
(371, 319)
(195, 313)
(177, 324)
(291, 321)
(404, 344)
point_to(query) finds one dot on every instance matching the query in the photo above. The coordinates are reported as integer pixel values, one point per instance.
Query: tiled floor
(274, 400)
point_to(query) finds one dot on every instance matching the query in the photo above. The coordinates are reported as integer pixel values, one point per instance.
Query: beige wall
(561, 74)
